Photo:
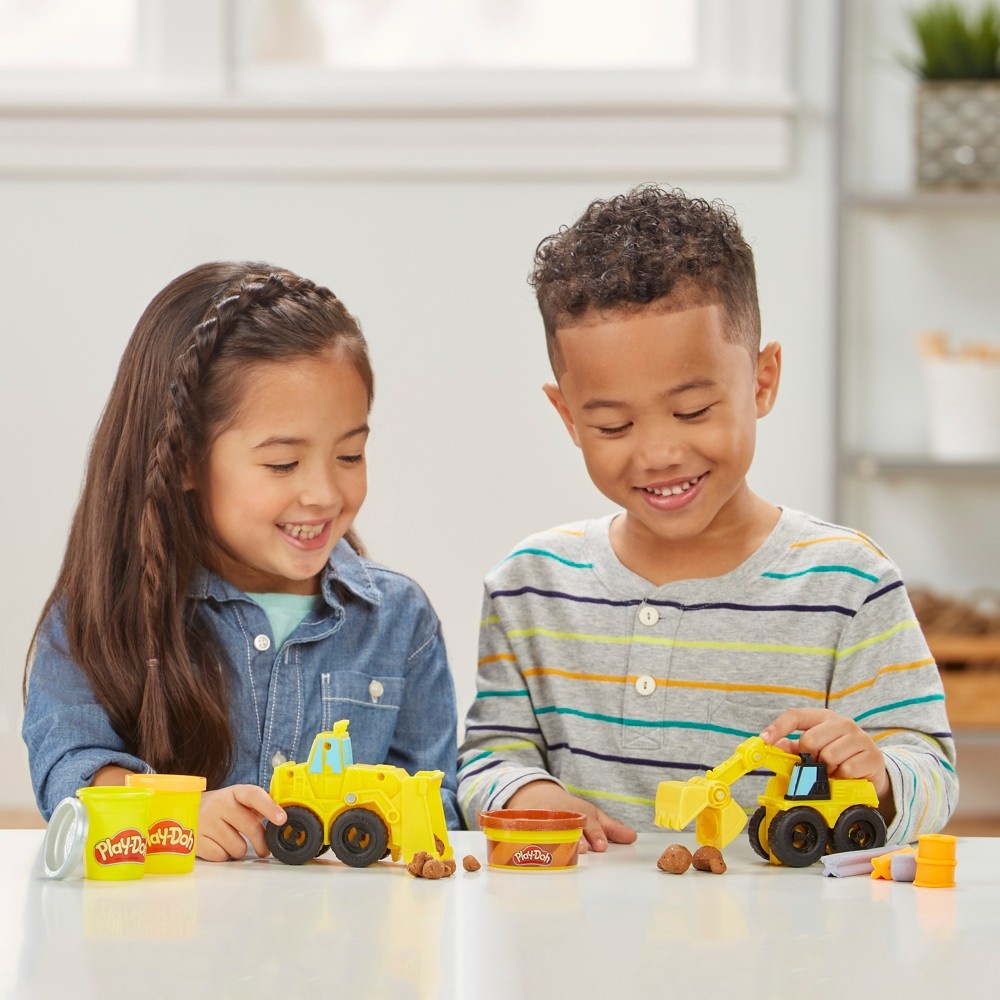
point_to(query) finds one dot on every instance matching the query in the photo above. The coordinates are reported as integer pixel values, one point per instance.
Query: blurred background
(410, 154)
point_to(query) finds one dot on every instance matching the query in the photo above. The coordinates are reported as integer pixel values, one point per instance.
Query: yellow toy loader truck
(802, 813)
(361, 811)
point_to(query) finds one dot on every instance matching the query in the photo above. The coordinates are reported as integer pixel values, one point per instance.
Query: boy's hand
(846, 749)
(229, 814)
(597, 831)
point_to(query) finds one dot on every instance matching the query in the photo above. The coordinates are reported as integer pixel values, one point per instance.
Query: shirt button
(648, 615)
(645, 685)
(278, 758)
(262, 643)
(376, 690)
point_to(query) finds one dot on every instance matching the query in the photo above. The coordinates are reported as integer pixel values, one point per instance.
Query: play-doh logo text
(124, 848)
(532, 856)
(167, 836)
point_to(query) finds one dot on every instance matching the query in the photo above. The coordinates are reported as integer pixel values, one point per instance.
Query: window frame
(189, 112)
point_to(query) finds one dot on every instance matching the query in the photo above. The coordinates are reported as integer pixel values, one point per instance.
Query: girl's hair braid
(169, 462)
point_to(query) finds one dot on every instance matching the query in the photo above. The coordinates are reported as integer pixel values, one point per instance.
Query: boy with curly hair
(644, 645)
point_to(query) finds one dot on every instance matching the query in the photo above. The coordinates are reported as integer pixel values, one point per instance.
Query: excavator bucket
(706, 800)
(679, 802)
(717, 827)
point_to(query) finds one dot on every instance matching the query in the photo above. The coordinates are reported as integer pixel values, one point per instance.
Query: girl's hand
(846, 749)
(228, 815)
(597, 831)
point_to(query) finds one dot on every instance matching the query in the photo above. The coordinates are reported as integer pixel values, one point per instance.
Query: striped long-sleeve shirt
(591, 675)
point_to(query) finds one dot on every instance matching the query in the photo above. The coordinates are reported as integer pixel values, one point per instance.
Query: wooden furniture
(972, 690)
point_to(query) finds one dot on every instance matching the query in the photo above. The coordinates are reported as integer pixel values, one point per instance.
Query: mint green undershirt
(285, 611)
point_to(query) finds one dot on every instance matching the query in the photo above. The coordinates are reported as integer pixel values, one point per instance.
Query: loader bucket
(679, 802)
(423, 823)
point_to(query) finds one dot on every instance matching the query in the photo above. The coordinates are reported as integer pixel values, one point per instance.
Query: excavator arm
(707, 799)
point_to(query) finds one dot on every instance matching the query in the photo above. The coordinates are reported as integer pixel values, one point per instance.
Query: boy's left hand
(846, 749)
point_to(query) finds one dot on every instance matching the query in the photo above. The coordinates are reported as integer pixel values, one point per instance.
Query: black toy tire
(798, 837)
(359, 838)
(298, 840)
(859, 828)
(753, 833)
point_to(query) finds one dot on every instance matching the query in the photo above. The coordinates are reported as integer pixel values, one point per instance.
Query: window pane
(476, 34)
(68, 34)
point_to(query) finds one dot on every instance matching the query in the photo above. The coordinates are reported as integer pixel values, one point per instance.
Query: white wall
(466, 456)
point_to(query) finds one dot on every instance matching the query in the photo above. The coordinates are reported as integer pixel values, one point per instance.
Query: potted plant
(958, 95)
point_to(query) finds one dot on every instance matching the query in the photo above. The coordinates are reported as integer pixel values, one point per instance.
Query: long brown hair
(138, 536)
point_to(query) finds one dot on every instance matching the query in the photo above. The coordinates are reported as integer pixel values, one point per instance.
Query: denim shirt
(371, 652)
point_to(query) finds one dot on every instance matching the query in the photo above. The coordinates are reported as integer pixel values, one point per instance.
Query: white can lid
(62, 853)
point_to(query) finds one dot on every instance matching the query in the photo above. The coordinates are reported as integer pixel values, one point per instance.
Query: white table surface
(614, 927)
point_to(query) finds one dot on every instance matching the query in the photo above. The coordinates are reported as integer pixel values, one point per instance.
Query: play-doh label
(167, 836)
(532, 856)
(127, 847)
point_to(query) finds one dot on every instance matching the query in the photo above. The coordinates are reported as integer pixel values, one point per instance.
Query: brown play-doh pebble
(416, 866)
(709, 859)
(470, 864)
(434, 869)
(676, 859)
(449, 865)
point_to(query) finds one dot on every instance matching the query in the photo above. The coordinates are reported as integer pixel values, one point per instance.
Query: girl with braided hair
(214, 610)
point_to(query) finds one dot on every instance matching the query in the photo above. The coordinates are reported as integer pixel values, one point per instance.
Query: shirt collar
(344, 570)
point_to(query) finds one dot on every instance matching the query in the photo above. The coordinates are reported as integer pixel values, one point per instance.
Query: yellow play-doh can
(532, 840)
(117, 824)
(173, 820)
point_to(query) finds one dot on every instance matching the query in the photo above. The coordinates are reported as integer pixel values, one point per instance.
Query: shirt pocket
(367, 701)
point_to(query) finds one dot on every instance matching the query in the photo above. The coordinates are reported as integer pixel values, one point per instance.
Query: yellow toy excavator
(802, 813)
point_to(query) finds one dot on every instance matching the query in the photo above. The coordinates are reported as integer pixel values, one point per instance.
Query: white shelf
(948, 201)
(872, 465)
(909, 260)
